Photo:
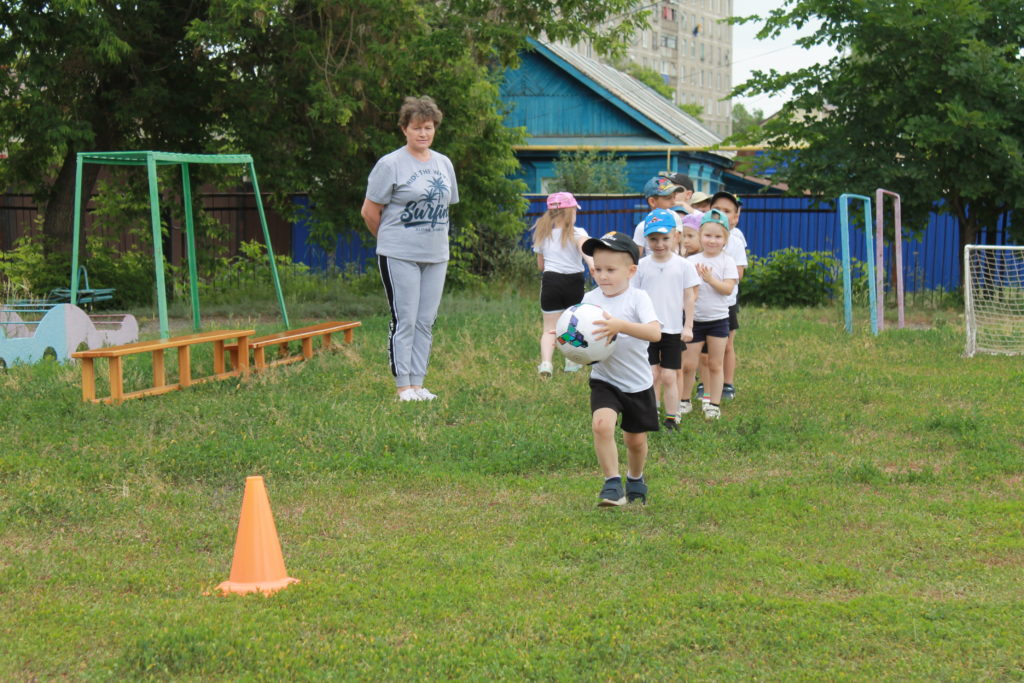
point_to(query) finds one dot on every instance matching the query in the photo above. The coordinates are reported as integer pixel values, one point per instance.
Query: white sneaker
(571, 367)
(712, 412)
(685, 407)
(545, 369)
(409, 395)
(425, 394)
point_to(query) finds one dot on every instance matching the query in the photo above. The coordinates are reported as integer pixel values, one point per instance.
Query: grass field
(856, 514)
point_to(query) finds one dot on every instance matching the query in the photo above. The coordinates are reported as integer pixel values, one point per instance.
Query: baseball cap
(562, 200)
(661, 187)
(616, 241)
(727, 195)
(659, 221)
(693, 220)
(682, 180)
(699, 197)
(715, 216)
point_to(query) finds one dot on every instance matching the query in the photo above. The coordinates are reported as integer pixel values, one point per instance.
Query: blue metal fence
(769, 222)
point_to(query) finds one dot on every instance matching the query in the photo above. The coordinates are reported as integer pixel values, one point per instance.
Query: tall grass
(855, 514)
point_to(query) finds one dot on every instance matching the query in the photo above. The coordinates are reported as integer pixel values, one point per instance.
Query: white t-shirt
(736, 247)
(665, 282)
(638, 232)
(559, 258)
(627, 368)
(710, 304)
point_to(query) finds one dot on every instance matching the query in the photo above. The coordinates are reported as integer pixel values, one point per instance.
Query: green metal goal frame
(151, 160)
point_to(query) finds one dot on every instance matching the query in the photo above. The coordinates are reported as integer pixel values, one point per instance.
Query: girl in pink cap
(557, 241)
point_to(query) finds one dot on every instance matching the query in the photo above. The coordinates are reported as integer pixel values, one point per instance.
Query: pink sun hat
(562, 200)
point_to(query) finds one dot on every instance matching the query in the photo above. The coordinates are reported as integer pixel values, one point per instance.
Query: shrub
(794, 277)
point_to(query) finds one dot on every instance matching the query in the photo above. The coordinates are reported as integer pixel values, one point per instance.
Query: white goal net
(994, 299)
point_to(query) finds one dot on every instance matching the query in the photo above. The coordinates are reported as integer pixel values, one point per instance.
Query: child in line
(711, 315)
(731, 206)
(700, 201)
(689, 244)
(557, 242)
(621, 384)
(660, 193)
(671, 281)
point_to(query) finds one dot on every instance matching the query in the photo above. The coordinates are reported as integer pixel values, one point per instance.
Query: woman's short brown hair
(423, 108)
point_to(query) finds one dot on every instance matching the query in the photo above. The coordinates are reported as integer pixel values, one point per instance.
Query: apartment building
(688, 43)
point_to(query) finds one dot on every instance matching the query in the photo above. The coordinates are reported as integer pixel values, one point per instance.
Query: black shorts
(559, 291)
(667, 352)
(639, 411)
(734, 317)
(710, 328)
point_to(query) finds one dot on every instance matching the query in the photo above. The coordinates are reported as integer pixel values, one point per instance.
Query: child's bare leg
(656, 377)
(704, 367)
(547, 340)
(668, 381)
(713, 382)
(729, 362)
(603, 426)
(636, 448)
(691, 358)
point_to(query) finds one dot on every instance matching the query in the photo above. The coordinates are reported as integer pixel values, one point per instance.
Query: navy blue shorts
(734, 317)
(710, 328)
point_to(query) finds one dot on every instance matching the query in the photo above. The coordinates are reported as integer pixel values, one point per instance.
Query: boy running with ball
(622, 383)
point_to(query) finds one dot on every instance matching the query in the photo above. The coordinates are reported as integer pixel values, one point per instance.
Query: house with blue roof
(569, 102)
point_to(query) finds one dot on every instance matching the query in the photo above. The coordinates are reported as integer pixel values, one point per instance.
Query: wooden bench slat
(155, 344)
(299, 333)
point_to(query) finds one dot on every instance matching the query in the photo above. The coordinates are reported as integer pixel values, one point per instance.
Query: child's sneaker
(571, 367)
(712, 412)
(612, 494)
(545, 369)
(728, 391)
(700, 388)
(636, 489)
(671, 425)
(409, 395)
(685, 407)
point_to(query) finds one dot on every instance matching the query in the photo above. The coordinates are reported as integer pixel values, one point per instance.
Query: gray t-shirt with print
(416, 195)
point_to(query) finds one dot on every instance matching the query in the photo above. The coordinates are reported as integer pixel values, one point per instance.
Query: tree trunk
(59, 214)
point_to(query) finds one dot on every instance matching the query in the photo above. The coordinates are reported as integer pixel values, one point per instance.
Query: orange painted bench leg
(218, 357)
(257, 356)
(159, 374)
(116, 380)
(185, 366)
(88, 380)
(348, 336)
(307, 347)
(242, 350)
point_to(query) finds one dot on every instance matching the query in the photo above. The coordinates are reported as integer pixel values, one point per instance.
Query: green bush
(794, 277)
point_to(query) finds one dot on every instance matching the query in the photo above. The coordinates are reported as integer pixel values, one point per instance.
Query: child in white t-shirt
(718, 273)
(556, 241)
(732, 206)
(659, 193)
(671, 281)
(621, 384)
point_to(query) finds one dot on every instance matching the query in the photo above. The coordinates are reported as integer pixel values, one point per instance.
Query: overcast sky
(780, 54)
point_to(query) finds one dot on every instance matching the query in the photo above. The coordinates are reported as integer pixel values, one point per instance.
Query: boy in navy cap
(660, 193)
(622, 384)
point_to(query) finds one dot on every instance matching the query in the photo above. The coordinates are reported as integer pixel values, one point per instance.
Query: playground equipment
(897, 247)
(151, 160)
(63, 328)
(844, 222)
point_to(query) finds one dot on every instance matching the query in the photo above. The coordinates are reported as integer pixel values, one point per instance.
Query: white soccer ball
(574, 335)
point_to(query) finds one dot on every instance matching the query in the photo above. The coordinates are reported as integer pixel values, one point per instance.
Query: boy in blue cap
(660, 193)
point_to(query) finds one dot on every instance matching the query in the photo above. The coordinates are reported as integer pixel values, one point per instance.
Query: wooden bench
(157, 347)
(281, 339)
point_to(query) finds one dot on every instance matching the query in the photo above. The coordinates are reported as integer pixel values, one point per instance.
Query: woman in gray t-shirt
(406, 209)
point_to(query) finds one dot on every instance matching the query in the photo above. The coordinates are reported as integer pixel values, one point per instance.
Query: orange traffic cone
(258, 564)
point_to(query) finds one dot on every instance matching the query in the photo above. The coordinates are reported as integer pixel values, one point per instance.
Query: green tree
(925, 100)
(648, 76)
(745, 123)
(311, 88)
(590, 172)
(693, 109)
